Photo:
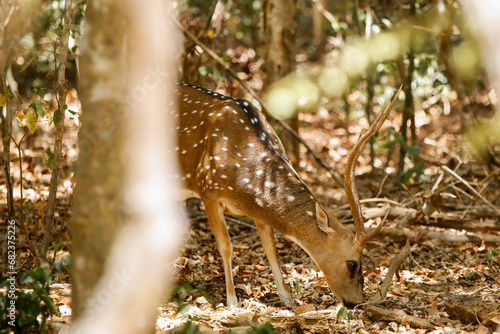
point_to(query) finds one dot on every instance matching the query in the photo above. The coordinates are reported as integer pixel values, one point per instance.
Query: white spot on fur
(268, 184)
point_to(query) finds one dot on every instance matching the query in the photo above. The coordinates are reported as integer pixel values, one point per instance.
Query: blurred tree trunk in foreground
(279, 29)
(99, 173)
(126, 225)
(485, 14)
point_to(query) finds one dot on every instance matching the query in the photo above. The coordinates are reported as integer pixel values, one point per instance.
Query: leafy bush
(28, 306)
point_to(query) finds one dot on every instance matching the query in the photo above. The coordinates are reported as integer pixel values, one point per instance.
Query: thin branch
(395, 263)
(22, 223)
(326, 14)
(467, 184)
(249, 89)
(381, 186)
(11, 12)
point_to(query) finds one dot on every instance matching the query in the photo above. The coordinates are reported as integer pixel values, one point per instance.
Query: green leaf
(31, 121)
(26, 209)
(41, 93)
(57, 116)
(342, 312)
(50, 158)
(50, 304)
(72, 112)
(296, 285)
(39, 108)
(491, 253)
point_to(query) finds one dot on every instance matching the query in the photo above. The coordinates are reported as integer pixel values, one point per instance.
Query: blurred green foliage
(29, 305)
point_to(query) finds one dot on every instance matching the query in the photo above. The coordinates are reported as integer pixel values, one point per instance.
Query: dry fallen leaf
(305, 308)
(433, 310)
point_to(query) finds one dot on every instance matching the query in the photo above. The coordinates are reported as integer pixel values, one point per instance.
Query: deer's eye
(352, 266)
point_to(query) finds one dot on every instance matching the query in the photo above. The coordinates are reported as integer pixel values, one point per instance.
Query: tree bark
(279, 29)
(129, 192)
(99, 173)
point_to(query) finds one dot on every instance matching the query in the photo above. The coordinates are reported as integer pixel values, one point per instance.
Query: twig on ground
(467, 184)
(490, 178)
(434, 143)
(399, 316)
(381, 186)
(419, 205)
(395, 263)
(370, 200)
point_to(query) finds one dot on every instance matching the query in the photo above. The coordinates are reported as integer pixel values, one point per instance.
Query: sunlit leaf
(31, 121)
(342, 312)
(4, 98)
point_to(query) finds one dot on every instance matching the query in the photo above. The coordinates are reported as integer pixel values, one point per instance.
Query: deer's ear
(322, 218)
(329, 224)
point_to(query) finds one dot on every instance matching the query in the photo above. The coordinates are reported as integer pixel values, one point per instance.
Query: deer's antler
(362, 236)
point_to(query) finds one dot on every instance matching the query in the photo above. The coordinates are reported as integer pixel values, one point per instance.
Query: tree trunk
(99, 173)
(126, 190)
(279, 29)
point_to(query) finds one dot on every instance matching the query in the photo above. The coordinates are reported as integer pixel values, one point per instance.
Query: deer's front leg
(217, 222)
(268, 243)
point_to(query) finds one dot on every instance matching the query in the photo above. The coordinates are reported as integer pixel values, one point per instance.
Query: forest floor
(450, 283)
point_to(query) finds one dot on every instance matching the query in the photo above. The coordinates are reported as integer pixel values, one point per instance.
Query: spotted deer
(233, 160)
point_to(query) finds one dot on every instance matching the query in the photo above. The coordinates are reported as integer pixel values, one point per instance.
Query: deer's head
(343, 271)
